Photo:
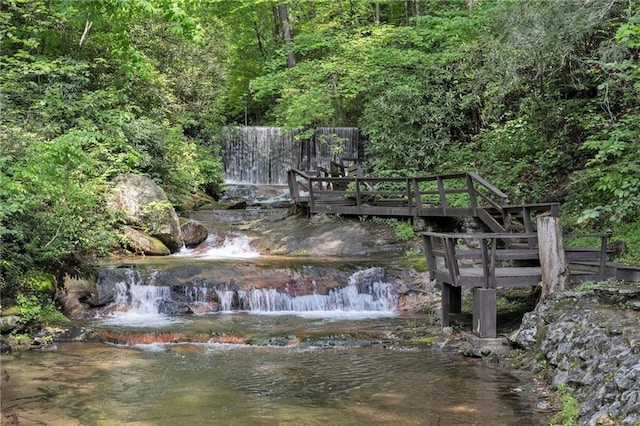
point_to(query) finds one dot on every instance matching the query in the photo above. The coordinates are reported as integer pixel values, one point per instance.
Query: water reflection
(200, 384)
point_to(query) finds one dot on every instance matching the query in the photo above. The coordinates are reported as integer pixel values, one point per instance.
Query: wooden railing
(495, 259)
(412, 191)
(591, 258)
(454, 194)
(488, 256)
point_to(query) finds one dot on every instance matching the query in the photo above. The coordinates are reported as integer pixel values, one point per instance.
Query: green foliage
(432, 317)
(402, 229)
(426, 341)
(39, 282)
(88, 92)
(629, 233)
(586, 286)
(613, 173)
(568, 416)
(415, 260)
(50, 314)
(29, 307)
(409, 133)
(33, 308)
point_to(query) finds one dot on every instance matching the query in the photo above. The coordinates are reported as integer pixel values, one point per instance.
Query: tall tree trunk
(377, 13)
(286, 33)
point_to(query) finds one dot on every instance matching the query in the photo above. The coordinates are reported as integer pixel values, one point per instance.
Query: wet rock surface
(590, 342)
(324, 235)
(191, 288)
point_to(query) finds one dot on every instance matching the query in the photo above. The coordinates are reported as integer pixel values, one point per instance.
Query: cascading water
(214, 247)
(138, 302)
(263, 155)
(338, 301)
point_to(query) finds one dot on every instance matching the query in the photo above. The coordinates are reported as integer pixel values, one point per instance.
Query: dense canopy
(540, 97)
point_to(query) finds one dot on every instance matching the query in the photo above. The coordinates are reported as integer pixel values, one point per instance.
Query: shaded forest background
(542, 98)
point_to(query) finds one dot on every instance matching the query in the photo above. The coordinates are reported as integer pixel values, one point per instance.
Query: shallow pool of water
(226, 384)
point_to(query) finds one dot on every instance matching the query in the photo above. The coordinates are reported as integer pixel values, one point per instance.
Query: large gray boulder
(145, 206)
(194, 233)
(141, 243)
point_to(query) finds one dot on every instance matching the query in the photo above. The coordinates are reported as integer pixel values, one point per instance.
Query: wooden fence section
(493, 263)
(461, 194)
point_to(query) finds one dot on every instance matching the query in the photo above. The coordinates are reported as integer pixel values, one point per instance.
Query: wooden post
(444, 303)
(485, 312)
(555, 272)
(455, 300)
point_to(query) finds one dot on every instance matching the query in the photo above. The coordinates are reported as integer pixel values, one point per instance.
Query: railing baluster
(486, 263)
(472, 195)
(450, 258)
(418, 197)
(431, 258)
(358, 200)
(408, 188)
(443, 196)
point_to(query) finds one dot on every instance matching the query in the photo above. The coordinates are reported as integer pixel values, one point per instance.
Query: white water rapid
(140, 303)
(231, 247)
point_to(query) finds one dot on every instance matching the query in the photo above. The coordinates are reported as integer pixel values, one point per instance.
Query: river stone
(108, 281)
(193, 233)
(9, 322)
(196, 201)
(235, 203)
(144, 244)
(298, 235)
(525, 336)
(145, 205)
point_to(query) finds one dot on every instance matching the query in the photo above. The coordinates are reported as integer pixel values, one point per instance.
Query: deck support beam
(484, 312)
(451, 301)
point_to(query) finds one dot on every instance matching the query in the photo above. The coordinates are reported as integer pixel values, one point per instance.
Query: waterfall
(214, 247)
(139, 302)
(263, 155)
(268, 300)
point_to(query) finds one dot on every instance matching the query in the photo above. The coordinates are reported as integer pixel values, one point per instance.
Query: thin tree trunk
(259, 39)
(286, 33)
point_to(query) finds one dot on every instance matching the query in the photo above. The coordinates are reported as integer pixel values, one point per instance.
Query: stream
(254, 356)
(227, 384)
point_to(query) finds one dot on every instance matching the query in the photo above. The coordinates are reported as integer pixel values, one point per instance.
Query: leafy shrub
(570, 408)
(29, 306)
(402, 229)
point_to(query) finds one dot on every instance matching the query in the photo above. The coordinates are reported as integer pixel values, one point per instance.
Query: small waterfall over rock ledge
(309, 291)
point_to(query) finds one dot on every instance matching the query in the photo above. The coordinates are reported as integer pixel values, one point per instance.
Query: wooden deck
(494, 264)
(461, 194)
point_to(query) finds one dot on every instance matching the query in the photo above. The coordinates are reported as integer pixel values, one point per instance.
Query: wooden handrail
(483, 198)
(488, 253)
(604, 243)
